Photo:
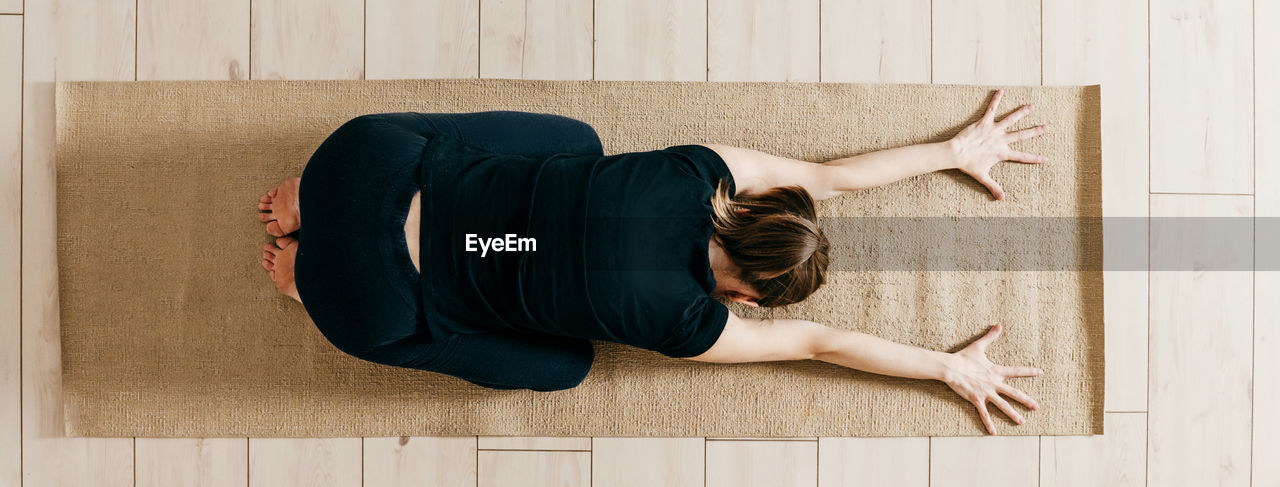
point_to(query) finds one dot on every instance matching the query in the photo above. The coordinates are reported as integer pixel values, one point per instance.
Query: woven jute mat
(171, 328)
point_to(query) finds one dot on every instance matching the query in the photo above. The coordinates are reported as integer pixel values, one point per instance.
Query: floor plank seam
(1253, 342)
(530, 449)
(1191, 193)
(22, 151)
(1146, 448)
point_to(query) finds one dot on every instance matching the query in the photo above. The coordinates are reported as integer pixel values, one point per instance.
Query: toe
(269, 257)
(266, 264)
(264, 199)
(272, 193)
(273, 228)
(265, 217)
(285, 242)
(264, 206)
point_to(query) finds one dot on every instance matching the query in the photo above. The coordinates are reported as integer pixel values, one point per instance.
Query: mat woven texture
(171, 328)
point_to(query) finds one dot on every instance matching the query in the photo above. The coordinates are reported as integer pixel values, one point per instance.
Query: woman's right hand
(979, 381)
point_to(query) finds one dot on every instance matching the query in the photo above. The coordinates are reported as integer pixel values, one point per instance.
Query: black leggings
(353, 270)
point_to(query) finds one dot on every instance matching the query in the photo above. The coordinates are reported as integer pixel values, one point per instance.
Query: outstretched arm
(973, 151)
(968, 372)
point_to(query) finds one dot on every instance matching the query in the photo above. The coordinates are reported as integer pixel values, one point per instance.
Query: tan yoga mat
(171, 328)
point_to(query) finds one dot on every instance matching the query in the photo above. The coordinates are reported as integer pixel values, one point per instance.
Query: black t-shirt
(618, 249)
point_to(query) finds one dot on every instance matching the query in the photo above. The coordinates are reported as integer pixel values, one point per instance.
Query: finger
(992, 186)
(991, 108)
(1019, 396)
(1025, 134)
(1018, 156)
(991, 336)
(1008, 409)
(1014, 117)
(1020, 371)
(986, 416)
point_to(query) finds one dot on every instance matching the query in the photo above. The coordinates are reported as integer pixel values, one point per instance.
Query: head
(767, 249)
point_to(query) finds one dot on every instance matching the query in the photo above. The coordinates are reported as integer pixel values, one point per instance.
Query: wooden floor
(1193, 358)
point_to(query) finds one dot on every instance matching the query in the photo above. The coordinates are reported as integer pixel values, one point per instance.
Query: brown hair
(775, 239)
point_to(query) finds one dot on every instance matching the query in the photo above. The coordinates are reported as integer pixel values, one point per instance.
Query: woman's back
(602, 247)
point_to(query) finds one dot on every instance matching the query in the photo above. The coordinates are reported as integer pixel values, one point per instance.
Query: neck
(725, 271)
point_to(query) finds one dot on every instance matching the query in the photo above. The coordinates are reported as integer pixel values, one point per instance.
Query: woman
(533, 243)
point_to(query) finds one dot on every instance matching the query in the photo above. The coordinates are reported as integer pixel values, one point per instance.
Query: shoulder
(701, 162)
(697, 327)
(755, 171)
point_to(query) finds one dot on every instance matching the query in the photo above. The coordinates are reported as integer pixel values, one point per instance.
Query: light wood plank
(11, 6)
(1266, 326)
(875, 41)
(10, 250)
(983, 461)
(1202, 70)
(762, 40)
(761, 463)
(193, 39)
(549, 39)
(534, 443)
(659, 40)
(307, 39)
(77, 41)
(1201, 344)
(1126, 169)
(315, 462)
(436, 461)
(642, 462)
(986, 42)
(203, 462)
(1105, 42)
(850, 462)
(1114, 459)
(534, 468)
(423, 39)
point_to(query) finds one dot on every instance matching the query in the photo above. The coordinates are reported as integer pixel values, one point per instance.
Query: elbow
(820, 342)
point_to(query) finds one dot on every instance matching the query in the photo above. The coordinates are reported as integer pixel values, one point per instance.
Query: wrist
(948, 155)
(944, 366)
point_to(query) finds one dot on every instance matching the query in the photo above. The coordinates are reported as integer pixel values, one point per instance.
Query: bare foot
(277, 258)
(279, 208)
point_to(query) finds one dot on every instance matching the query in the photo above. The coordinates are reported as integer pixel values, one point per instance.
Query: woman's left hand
(986, 142)
(971, 375)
